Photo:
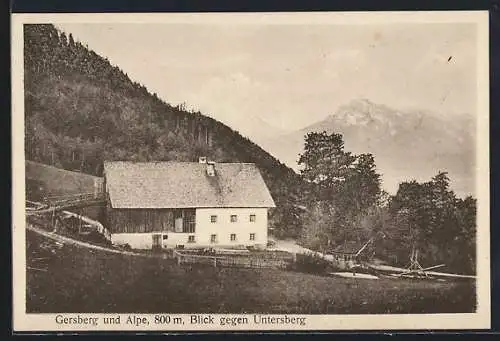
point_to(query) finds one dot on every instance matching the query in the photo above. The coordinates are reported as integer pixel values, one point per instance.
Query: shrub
(311, 263)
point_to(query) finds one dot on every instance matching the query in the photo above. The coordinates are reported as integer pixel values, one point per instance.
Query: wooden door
(156, 241)
(178, 221)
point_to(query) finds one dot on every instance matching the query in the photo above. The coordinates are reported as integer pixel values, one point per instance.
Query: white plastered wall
(222, 228)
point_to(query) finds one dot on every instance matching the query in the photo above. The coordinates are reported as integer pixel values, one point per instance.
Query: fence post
(215, 262)
(53, 221)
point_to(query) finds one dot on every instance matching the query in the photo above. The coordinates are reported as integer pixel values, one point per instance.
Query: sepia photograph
(251, 171)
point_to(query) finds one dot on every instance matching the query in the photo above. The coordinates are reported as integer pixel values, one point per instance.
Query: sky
(291, 76)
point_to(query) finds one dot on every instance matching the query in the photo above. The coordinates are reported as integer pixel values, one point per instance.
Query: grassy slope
(56, 181)
(82, 280)
(44, 180)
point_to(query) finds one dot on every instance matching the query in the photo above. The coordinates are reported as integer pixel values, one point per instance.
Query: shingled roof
(185, 185)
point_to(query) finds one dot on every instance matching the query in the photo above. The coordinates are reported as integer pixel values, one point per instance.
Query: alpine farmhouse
(155, 205)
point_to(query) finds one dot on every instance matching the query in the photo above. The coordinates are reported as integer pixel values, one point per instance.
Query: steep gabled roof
(185, 184)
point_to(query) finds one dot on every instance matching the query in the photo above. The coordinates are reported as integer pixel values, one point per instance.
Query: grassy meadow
(73, 279)
(54, 181)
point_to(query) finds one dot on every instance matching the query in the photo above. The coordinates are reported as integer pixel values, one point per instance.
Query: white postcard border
(47, 322)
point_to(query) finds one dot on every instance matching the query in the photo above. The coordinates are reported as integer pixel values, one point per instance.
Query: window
(189, 223)
(233, 237)
(234, 218)
(165, 236)
(252, 218)
(252, 236)
(184, 220)
(191, 239)
(213, 218)
(213, 238)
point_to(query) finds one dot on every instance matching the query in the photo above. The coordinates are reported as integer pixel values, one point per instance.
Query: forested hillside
(80, 110)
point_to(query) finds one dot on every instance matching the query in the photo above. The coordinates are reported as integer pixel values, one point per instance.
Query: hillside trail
(290, 245)
(281, 245)
(71, 241)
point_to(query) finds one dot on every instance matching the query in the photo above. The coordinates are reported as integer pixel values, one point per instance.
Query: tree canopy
(346, 204)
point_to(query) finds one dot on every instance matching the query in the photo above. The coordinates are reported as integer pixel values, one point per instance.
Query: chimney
(202, 159)
(211, 168)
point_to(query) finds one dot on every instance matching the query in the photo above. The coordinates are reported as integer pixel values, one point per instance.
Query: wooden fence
(97, 226)
(49, 217)
(240, 260)
(74, 199)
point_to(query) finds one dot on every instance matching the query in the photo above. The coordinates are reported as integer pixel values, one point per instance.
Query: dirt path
(67, 240)
(292, 247)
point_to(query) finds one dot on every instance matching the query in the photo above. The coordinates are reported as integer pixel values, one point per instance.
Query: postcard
(250, 171)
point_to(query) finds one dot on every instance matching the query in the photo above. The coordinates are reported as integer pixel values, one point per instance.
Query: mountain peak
(405, 143)
(358, 112)
(361, 102)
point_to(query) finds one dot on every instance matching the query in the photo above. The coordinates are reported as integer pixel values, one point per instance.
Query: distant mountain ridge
(406, 144)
